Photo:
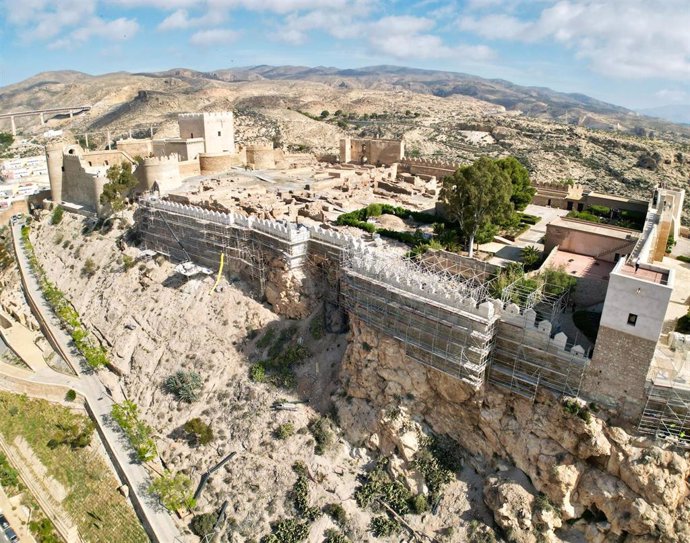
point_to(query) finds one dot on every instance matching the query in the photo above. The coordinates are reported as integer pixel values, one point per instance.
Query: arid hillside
(558, 136)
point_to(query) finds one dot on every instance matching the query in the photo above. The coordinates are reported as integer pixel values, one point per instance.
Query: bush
(173, 490)
(418, 504)
(378, 485)
(300, 500)
(89, 269)
(185, 385)
(257, 373)
(71, 395)
(76, 435)
(322, 435)
(382, 526)
(683, 258)
(44, 531)
(284, 431)
(128, 262)
(334, 536)
(599, 211)
(583, 216)
(266, 339)
(574, 408)
(683, 324)
(56, 217)
(138, 433)
(9, 477)
(317, 328)
(530, 256)
(202, 432)
(337, 513)
(203, 524)
(287, 531)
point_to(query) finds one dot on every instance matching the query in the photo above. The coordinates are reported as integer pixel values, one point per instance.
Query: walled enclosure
(371, 151)
(604, 242)
(443, 320)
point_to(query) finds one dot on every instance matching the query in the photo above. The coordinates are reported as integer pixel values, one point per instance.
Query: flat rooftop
(599, 229)
(582, 266)
(654, 276)
(617, 198)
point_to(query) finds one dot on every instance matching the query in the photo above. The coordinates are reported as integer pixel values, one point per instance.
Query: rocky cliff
(573, 469)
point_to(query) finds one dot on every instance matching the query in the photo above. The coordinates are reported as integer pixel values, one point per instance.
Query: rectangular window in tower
(218, 132)
(632, 319)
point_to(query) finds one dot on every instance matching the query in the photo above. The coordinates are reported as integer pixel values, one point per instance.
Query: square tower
(216, 128)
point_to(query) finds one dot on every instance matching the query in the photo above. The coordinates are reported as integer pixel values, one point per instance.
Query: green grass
(588, 323)
(93, 502)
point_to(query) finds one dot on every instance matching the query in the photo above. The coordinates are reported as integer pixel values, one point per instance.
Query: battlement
(287, 232)
(206, 115)
(430, 163)
(333, 237)
(538, 332)
(164, 159)
(403, 275)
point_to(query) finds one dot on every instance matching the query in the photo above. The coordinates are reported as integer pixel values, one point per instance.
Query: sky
(634, 53)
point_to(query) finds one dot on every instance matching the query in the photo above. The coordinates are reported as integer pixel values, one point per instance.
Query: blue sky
(635, 53)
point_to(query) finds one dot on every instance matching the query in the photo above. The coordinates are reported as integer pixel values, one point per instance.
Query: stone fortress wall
(440, 324)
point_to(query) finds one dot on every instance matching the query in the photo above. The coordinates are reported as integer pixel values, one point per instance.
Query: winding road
(158, 523)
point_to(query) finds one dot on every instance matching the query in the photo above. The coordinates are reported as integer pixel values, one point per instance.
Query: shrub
(71, 395)
(317, 326)
(89, 268)
(574, 408)
(56, 217)
(202, 432)
(287, 531)
(322, 435)
(9, 477)
(382, 526)
(435, 475)
(418, 504)
(300, 500)
(128, 262)
(337, 513)
(257, 373)
(44, 531)
(185, 385)
(530, 256)
(173, 490)
(76, 435)
(600, 211)
(284, 431)
(378, 485)
(126, 415)
(203, 524)
(334, 536)
(683, 324)
(683, 258)
(266, 339)
(583, 216)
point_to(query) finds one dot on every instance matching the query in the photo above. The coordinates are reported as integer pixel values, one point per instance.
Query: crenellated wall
(442, 320)
(422, 166)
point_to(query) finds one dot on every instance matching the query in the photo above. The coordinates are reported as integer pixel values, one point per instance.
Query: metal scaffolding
(448, 338)
(545, 299)
(523, 360)
(183, 238)
(666, 414)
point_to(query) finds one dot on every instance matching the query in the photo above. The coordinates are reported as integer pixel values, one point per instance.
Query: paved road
(88, 384)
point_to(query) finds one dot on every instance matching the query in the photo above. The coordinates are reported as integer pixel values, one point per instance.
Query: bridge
(42, 113)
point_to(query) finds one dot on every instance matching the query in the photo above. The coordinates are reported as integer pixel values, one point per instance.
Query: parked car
(11, 535)
(4, 524)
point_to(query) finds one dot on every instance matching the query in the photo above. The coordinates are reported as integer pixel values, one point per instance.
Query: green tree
(477, 196)
(523, 191)
(174, 490)
(324, 114)
(530, 256)
(6, 139)
(121, 182)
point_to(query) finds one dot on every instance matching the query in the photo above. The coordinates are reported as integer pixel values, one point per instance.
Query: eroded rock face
(287, 291)
(578, 465)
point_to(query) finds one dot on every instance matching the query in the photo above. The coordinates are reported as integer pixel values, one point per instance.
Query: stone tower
(54, 158)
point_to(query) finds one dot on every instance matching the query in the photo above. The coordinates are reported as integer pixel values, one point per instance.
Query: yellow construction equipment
(220, 273)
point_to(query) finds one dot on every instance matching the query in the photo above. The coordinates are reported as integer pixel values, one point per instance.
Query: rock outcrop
(583, 467)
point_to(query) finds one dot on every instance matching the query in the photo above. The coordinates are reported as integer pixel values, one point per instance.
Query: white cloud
(216, 36)
(625, 38)
(673, 96)
(114, 30)
(180, 19)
